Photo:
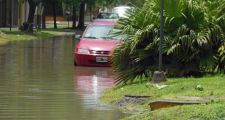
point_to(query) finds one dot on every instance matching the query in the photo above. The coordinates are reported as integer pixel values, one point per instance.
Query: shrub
(193, 41)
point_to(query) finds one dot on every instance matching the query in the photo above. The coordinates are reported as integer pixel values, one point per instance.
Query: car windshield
(107, 16)
(102, 32)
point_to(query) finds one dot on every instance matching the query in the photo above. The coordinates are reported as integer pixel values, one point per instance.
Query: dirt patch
(194, 118)
(182, 100)
(131, 100)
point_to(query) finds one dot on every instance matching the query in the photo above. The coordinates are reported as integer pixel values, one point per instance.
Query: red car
(96, 44)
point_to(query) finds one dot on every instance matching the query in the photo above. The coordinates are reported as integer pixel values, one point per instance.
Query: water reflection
(90, 82)
(37, 83)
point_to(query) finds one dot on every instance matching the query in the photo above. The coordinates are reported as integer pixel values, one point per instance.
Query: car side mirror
(77, 36)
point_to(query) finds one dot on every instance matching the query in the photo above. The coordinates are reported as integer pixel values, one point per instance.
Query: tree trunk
(81, 15)
(74, 16)
(10, 15)
(5, 12)
(43, 16)
(158, 77)
(43, 20)
(90, 10)
(54, 14)
(29, 25)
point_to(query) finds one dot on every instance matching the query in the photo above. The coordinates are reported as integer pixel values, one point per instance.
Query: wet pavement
(39, 82)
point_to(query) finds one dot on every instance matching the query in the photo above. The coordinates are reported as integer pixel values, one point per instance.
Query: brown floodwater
(38, 81)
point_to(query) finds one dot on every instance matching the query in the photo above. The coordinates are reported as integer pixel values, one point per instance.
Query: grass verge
(212, 86)
(16, 35)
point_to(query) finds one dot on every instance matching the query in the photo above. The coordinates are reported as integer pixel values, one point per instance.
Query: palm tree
(194, 31)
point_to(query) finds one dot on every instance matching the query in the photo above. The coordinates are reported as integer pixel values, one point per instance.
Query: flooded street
(38, 81)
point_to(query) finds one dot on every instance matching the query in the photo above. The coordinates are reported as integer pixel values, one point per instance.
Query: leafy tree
(81, 14)
(53, 3)
(32, 4)
(75, 4)
(221, 58)
(137, 3)
(43, 16)
(28, 26)
(92, 4)
(72, 5)
(54, 12)
(106, 3)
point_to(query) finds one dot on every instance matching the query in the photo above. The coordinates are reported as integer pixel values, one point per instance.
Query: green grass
(2, 38)
(16, 35)
(212, 86)
(213, 111)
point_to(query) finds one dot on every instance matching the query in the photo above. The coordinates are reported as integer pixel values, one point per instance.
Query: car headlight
(82, 51)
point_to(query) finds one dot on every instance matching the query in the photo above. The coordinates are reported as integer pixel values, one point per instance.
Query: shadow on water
(39, 82)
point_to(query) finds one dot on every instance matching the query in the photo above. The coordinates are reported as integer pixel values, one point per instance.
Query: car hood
(99, 44)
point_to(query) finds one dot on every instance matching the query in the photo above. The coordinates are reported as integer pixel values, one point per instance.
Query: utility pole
(161, 34)
(159, 75)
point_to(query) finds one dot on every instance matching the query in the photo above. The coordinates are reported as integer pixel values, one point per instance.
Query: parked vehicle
(96, 44)
(115, 13)
(122, 10)
(107, 15)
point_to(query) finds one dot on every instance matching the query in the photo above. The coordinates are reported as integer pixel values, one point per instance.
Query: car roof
(104, 22)
(123, 7)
